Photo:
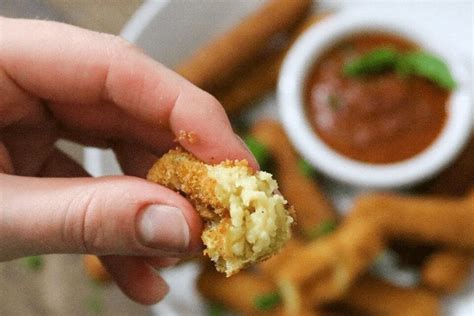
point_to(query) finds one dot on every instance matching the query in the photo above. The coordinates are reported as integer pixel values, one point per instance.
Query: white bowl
(291, 85)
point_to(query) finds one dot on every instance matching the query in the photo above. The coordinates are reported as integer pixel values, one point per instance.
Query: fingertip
(205, 130)
(163, 222)
(230, 147)
(253, 163)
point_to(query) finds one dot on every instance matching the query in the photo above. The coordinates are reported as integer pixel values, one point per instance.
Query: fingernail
(164, 227)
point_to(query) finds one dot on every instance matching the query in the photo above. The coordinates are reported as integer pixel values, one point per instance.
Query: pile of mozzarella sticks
(241, 65)
(326, 267)
(323, 268)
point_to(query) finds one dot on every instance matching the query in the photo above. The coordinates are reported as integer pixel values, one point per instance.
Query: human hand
(59, 81)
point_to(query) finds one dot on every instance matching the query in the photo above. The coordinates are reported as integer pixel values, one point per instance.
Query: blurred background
(57, 284)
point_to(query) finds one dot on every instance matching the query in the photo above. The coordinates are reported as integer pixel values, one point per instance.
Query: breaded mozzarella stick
(245, 219)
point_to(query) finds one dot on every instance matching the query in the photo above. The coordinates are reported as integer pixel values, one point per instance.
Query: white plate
(171, 30)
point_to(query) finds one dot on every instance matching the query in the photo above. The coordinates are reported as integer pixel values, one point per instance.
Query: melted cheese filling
(259, 223)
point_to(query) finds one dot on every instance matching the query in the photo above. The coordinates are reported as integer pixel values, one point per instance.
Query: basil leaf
(305, 168)
(418, 63)
(258, 149)
(267, 301)
(95, 305)
(375, 61)
(426, 65)
(324, 228)
(34, 263)
(95, 301)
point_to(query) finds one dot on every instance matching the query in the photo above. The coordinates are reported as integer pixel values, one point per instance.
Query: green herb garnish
(375, 61)
(417, 63)
(258, 149)
(34, 263)
(215, 309)
(95, 301)
(267, 301)
(427, 66)
(95, 305)
(305, 168)
(322, 229)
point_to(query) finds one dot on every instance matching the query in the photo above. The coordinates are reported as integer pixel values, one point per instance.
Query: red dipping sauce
(378, 118)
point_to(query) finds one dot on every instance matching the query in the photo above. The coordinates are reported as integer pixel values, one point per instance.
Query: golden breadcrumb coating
(245, 219)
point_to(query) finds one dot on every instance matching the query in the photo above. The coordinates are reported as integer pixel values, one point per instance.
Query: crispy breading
(245, 220)
(182, 172)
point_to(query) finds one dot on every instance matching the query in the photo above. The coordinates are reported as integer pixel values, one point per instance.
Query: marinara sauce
(377, 118)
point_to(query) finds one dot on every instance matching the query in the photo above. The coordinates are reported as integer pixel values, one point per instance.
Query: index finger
(67, 65)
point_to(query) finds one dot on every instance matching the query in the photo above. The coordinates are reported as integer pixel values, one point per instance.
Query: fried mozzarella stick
(446, 271)
(238, 293)
(220, 59)
(425, 219)
(245, 220)
(247, 293)
(325, 268)
(95, 269)
(271, 266)
(251, 85)
(377, 297)
(312, 206)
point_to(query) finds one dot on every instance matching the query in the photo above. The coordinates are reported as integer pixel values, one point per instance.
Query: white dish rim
(397, 175)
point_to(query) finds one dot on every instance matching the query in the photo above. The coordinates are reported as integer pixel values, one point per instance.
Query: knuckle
(120, 46)
(107, 225)
(122, 56)
(81, 221)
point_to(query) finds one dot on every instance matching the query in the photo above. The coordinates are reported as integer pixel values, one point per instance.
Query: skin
(59, 81)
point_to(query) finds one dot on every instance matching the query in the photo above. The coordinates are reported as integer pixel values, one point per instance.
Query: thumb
(110, 215)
